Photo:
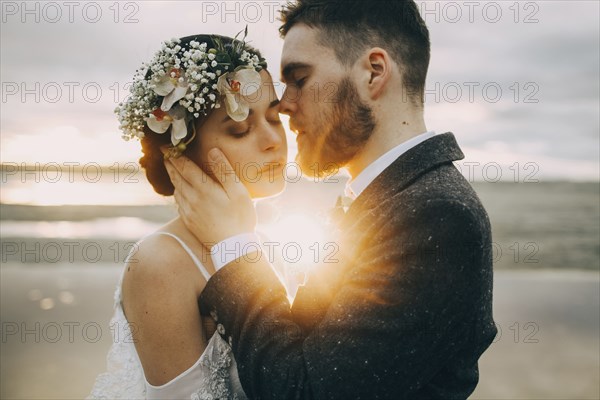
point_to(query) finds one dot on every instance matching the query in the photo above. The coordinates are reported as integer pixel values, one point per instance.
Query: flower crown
(182, 82)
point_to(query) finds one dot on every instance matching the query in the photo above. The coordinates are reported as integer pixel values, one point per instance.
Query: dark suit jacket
(406, 311)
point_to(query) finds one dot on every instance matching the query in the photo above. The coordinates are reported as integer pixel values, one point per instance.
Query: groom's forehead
(297, 44)
(301, 48)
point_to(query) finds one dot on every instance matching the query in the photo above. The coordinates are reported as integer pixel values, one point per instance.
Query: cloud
(554, 61)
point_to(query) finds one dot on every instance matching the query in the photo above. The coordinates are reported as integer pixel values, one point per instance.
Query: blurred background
(516, 81)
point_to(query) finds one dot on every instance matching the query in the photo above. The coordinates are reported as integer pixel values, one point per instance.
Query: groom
(407, 311)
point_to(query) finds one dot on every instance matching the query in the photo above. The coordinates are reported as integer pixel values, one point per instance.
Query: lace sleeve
(124, 378)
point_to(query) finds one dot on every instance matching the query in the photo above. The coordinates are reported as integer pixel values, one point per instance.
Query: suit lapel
(440, 149)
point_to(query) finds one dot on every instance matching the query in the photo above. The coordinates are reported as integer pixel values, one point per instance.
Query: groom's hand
(212, 209)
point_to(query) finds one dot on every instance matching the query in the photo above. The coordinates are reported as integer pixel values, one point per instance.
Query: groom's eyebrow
(272, 104)
(288, 70)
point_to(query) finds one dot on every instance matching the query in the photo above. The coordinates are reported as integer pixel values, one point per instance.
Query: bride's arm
(160, 291)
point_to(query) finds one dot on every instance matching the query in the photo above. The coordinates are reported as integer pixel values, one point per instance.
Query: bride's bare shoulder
(160, 289)
(160, 261)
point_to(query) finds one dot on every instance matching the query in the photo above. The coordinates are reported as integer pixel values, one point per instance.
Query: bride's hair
(153, 161)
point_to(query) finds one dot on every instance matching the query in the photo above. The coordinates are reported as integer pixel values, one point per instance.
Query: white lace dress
(213, 376)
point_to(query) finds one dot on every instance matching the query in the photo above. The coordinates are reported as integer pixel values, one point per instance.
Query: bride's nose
(271, 138)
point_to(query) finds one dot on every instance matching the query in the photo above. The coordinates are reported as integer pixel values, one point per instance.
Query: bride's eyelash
(240, 135)
(237, 134)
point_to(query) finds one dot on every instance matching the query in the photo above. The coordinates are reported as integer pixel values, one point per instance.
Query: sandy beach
(55, 333)
(55, 310)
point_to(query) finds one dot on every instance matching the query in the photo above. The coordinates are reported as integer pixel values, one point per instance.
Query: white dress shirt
(355, 187)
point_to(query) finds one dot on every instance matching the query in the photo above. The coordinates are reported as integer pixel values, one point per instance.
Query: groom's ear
(378, 65)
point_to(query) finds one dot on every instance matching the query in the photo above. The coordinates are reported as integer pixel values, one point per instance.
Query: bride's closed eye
(239, 132)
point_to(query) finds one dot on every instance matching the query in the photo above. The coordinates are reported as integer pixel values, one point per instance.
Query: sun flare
(299, 238)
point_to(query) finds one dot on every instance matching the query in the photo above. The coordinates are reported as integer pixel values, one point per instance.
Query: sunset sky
(517, 82)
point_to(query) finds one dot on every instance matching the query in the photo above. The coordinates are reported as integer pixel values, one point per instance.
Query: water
(554, 225)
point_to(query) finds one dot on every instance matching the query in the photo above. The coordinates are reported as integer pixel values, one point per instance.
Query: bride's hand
(212, 210)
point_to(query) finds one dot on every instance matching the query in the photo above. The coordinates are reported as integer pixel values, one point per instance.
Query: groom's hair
(349, 27)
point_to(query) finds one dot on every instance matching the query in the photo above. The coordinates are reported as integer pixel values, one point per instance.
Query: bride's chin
(270, 190)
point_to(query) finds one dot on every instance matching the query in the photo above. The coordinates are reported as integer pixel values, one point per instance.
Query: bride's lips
(273, 166)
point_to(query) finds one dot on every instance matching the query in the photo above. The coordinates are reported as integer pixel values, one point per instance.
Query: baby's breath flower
(182, 84)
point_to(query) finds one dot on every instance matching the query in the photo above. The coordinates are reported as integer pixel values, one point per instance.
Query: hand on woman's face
(255, 147)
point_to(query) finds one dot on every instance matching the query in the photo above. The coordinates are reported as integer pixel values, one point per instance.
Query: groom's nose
(288, 104)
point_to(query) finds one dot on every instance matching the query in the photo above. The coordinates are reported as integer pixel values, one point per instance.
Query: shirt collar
(355, 187)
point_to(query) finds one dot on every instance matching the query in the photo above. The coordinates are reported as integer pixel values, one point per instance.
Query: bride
(197, 93)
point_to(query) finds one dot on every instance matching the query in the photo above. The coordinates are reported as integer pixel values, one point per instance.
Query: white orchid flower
(173, 86)
(159, 121)
(235, 86)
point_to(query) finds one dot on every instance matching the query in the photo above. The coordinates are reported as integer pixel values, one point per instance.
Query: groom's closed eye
(295, 72)
(299, 82)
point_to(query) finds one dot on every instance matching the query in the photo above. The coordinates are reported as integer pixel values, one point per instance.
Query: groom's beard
(344, 129)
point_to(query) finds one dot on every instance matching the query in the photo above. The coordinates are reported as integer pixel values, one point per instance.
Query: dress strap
(190, 252)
